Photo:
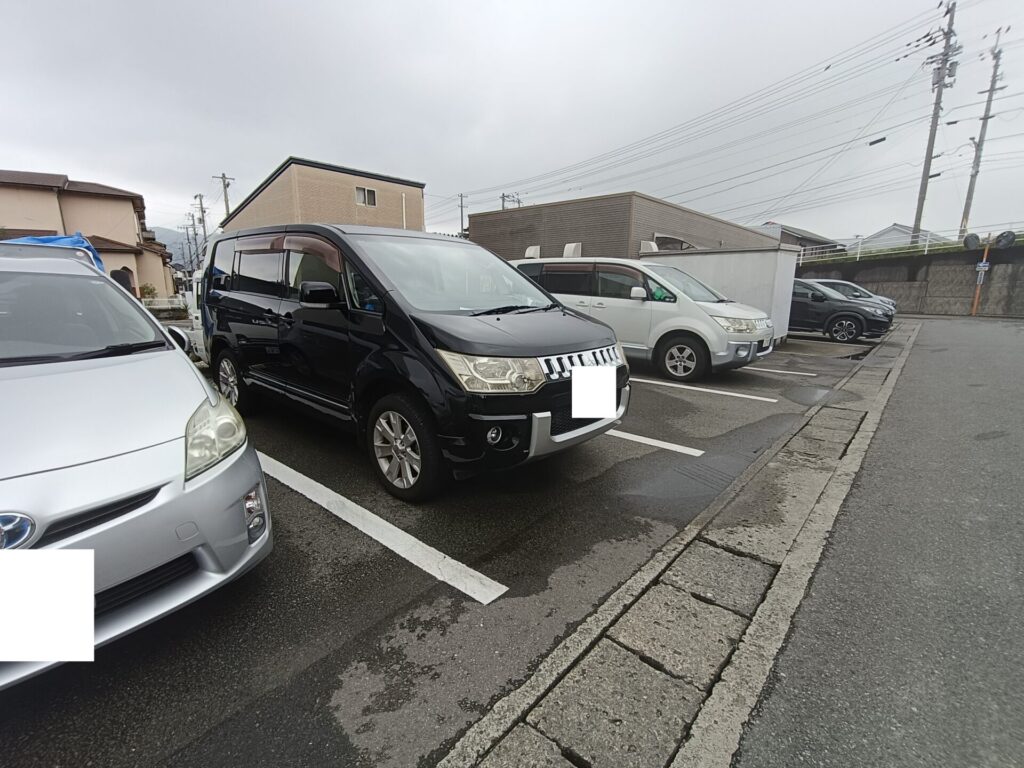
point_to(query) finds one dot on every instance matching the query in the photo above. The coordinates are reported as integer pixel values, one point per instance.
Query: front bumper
(876, 327)
(531, 426)
(202, 518)
(740, 353)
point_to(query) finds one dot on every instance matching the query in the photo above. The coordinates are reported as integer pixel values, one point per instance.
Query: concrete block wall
(939, 285)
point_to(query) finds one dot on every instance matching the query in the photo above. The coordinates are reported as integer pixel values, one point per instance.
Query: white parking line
(436, 563)
(774, 370)
(655, 443)
(704, 389)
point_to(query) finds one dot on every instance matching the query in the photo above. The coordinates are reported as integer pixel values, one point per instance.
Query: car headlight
(878, 312)
(213, 432)
(494, 374)
(735, 324)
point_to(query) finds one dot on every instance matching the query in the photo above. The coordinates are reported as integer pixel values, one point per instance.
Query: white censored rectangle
(593, 392)
(47, 612)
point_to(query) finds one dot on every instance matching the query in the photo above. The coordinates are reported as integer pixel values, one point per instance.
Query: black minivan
(440, 355)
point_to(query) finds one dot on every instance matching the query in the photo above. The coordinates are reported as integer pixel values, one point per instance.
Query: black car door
(801, 310)
(250, 305)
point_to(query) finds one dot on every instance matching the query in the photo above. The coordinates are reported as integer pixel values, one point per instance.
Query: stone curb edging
(715, 735)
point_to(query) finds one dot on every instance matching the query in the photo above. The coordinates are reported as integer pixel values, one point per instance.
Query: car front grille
(69, 526)
(562, 420)
(559, 366)
(150, 581)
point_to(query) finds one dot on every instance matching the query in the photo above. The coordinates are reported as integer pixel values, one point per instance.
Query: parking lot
(339, 649)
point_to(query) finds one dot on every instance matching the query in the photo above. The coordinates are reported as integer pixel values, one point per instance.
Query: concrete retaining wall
(937, 285)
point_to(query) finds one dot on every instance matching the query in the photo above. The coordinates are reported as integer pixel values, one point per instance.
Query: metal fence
(899, 244)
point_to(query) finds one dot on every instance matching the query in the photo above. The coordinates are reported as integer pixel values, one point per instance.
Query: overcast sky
(468, 96)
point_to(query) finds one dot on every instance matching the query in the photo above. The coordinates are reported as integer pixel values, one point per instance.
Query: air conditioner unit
(572, 251)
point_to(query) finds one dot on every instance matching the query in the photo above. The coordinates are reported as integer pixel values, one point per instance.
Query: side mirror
(638, 292)
(316, 295)
(180, 338)
(817, 296)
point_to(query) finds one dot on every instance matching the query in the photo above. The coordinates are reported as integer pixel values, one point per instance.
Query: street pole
(979, 145)
(941, 71)
(462, 217)
(503, 201)
(225, 182)
(981, 278)
(202, 215)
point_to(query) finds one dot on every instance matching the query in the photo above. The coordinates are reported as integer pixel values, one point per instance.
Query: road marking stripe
(705, 389)
(436, 563)
(655, 443)
(774, 370)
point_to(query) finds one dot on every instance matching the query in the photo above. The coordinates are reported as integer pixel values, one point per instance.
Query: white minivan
(658, 312)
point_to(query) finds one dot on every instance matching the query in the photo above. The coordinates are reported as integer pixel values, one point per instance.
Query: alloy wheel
(227, 380)
(844, 330)
(680, 360)
(397, 449)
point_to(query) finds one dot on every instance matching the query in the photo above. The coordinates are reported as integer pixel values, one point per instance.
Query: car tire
(844, 329)
(227, 374)
(404, 450)
(682, 358)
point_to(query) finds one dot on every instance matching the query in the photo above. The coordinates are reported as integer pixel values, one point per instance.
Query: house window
(367, 197)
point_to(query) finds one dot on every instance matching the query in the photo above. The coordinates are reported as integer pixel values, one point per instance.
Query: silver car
(114, 441)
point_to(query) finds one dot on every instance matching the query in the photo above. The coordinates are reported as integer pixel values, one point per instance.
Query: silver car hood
(58, 415)
(731, 309)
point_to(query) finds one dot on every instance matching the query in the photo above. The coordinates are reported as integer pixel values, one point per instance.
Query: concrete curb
(506, 713)
(715, 734)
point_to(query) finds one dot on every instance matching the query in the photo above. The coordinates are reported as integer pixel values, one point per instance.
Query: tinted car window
(311, 260)
(532, 271)
(363, 295)
(50, 317)
(575, 279)
(801, 291)
(259, 272)
(616, 282)
(223, 265)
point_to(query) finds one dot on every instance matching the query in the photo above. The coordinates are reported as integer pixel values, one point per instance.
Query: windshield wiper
(30, 359)
(538, 309)
(114, 350)
(725, 301)
(501, 310)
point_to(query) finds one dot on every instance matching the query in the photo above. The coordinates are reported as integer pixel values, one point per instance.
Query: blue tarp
(64, 241)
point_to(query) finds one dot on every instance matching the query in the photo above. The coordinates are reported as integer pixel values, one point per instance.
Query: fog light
(493, 435)
(255, 516)
(742, 351)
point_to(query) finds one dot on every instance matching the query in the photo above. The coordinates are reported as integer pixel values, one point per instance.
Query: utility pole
(191, 226)
(462, 208)
(945, 67)
(189, 263)
(979, 145)
(225, 182)
(503, 201)
(202, 215)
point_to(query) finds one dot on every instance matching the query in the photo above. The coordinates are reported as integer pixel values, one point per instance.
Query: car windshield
(688, 284)
(450, 276)
(829, 292)
(51, 317)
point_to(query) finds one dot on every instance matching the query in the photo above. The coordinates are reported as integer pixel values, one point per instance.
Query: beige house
(306, 192)
(114, 221)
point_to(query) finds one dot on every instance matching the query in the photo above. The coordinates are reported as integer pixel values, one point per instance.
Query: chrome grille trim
(557, 367)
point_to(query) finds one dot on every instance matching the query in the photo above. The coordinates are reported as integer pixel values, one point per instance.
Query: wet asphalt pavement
(907, 649)
(337, 651)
